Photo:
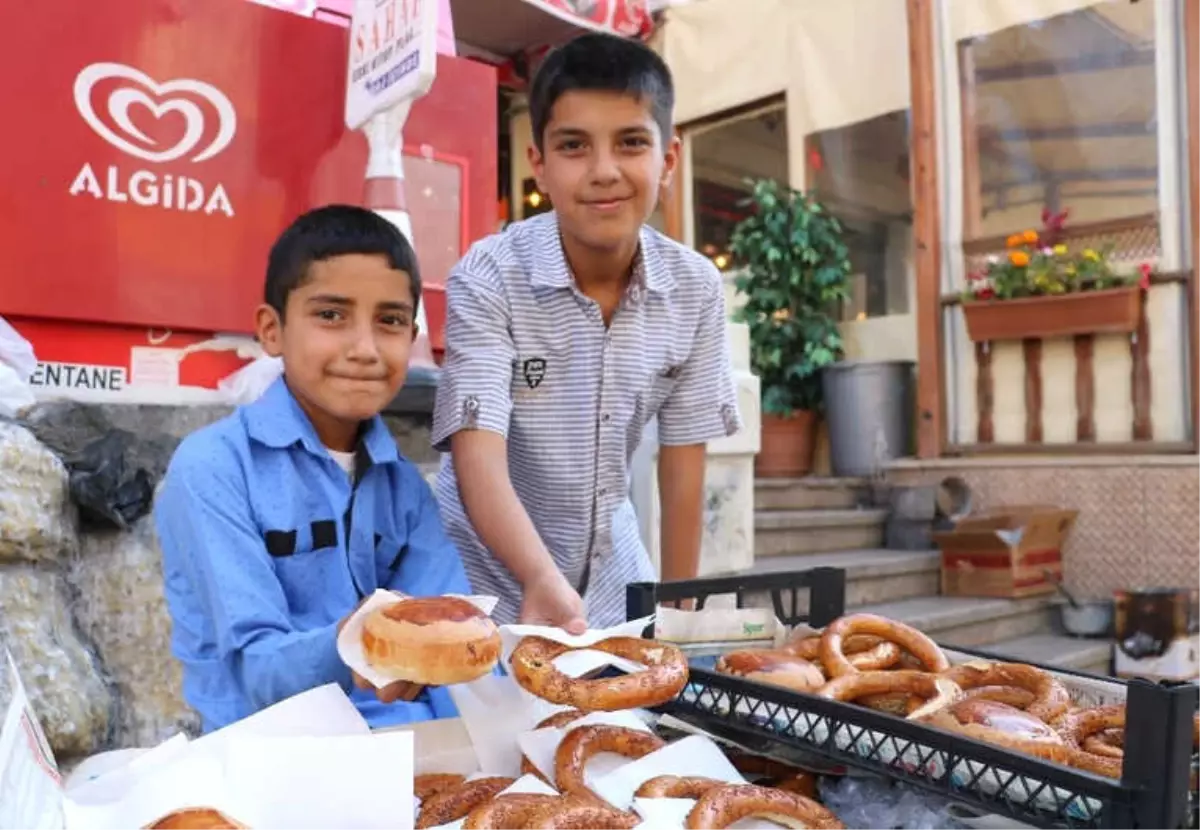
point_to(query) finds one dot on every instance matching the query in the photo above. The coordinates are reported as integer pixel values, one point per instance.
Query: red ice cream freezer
(155, 150)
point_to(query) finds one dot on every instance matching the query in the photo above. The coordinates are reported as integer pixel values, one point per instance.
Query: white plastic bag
(17, 364)
(247, 384)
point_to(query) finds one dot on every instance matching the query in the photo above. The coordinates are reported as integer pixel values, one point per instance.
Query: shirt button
(606, 417)
(604, 491)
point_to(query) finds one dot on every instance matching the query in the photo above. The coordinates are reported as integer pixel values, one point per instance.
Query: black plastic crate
(1153, 790)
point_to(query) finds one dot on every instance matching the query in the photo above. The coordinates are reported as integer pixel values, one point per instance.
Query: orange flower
(1018, 258)
(1030, 236)
(1015, 241)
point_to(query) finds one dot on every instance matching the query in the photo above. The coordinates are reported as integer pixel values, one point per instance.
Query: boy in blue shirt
(277, 521)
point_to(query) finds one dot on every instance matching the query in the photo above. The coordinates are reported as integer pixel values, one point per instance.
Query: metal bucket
(869, 413)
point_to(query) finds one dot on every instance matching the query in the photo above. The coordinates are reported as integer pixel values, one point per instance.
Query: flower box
(1110, 311)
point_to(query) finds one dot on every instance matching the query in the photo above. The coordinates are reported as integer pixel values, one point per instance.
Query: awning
(506, 28)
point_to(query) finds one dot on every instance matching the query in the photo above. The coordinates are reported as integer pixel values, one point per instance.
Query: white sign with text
(393, 56)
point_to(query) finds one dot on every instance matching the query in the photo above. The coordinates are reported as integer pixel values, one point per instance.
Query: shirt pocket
(308, 560)
(652, 397)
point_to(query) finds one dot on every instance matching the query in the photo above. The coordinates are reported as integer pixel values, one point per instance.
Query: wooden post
(926, 227)
(1085, 389)
(1191, 28)
(1032, 350)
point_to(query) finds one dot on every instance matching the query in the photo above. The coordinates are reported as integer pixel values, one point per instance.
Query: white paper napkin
(195, 781)
(495, 711)
(355, 781)
(510, 635)
(692, 756)
(349, 642)
(179, 773)
(539, 746)
(672, 813)
(525, 785)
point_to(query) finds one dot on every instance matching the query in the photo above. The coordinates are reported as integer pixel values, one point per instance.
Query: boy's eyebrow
(330, 299)
(578, 132)
(339, 300)
(568, 132)
(394, 305)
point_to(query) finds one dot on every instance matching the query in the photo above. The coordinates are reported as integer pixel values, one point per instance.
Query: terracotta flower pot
(1113, 310)
(788, 444)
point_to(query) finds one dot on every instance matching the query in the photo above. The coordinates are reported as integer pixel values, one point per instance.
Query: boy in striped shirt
(565, 336)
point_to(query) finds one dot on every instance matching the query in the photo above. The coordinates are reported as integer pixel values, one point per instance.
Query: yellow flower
(1018, 258)
(1030, 236)
(1092, 255)
(1060, 250)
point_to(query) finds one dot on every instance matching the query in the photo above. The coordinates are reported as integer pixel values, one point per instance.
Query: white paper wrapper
(198, 780)
(510, 635)
(349, 643)
(690, 756)
(540, 745)
(744, 626)
(359, 781)
(179, 773)
(525, 785)
(694, 756)
(494, 735)
(671, 814)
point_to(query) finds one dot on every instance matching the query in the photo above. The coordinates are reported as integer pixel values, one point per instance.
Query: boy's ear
(269, 330)
(415, 330)
(537, 163)
(670, 161)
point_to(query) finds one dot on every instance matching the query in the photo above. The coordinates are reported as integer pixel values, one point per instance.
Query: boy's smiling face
(345, 341)
(603, 165)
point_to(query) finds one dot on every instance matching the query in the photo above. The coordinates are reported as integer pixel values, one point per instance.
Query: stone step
(871, 575)
(809, 493)
(790, 532)
(1092, 656)
(969, 621)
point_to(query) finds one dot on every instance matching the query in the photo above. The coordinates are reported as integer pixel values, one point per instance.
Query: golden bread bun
(196, 818)
(431, 641)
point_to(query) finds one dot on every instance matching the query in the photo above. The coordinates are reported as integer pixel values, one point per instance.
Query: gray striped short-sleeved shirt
(528, 356)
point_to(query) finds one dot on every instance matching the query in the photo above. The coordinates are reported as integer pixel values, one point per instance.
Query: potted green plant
(794, 270)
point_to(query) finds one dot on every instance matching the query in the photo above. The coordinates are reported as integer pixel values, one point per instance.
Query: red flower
(1052, 225)
(985, 293)
(1145, 270)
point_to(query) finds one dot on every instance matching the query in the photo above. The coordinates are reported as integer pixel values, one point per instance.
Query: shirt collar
(276, 420)
(552, 271)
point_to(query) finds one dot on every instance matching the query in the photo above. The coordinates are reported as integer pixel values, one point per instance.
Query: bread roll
(431, 641)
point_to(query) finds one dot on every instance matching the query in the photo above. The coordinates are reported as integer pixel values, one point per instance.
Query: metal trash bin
(869, 413)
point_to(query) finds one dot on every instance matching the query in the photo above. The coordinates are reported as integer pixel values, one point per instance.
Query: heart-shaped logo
(159, 99)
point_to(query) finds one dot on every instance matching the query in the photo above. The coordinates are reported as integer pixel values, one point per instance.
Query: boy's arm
(431, 566)
(471, 420)
(208, 535)
(702, 407)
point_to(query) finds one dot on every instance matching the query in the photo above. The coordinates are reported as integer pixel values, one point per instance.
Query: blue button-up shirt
(267, 544)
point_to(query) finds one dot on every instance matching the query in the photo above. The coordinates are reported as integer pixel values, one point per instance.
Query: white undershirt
(345, 460)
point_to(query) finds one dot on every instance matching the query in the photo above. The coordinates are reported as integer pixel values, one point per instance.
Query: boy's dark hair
(330, 231)
(602, 63)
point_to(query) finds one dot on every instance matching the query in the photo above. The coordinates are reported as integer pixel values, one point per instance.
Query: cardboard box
(1009, 552)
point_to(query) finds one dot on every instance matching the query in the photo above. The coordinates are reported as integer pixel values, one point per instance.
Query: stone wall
(82, 610)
